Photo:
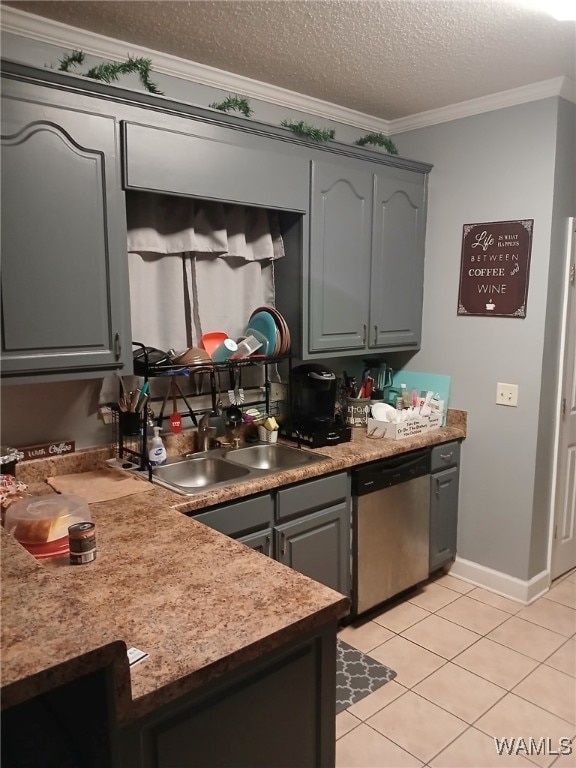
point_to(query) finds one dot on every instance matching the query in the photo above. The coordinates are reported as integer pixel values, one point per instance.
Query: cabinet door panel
(319, 546)
(63, 242)
(214, 163)
(397, 261)
(261, 541)
(443, 517)
(339, 257)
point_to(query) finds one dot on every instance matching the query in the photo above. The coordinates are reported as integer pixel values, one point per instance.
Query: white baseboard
(501, 583)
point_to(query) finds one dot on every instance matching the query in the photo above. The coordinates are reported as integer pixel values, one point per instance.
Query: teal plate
(264, 324)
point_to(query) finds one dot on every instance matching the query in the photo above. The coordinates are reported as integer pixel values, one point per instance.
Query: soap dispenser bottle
(157, 452)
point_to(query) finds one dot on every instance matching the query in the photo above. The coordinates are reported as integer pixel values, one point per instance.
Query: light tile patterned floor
(471, 666)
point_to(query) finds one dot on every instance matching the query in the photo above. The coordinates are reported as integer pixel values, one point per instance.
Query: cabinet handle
(364, 329)
(117, 346)
(446, 456)
(282, 544)
(375, 334)
(268, 546)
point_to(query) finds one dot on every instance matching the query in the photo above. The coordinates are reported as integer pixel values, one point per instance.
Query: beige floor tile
(572, 577)
(410, 662)
(475, 749)
(527, 638)
(473, 615)
(432, 596)
(553, 616)
(513, 717)
(365, 636)
(374, 702)
(550, 689)
(563, 593)
(440, 636)
(345, 722)
(564, 659)
(460, 692)
(496, 663)
(400, 617)
(417, 725)
(365, 748)
(566, 760)
(452, 582)
(496, 601)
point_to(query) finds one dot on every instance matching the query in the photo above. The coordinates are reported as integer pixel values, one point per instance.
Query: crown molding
(559, 86)
(55, 33)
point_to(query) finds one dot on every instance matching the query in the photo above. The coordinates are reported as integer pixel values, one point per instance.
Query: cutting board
(99, 484)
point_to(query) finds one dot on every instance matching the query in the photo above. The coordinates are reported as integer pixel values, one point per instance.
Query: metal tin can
(82, 537)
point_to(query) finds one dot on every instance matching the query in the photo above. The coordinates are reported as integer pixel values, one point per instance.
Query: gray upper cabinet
(216, 163)
(340, 235)
(64, 283)
(366, 262)
(397, 274)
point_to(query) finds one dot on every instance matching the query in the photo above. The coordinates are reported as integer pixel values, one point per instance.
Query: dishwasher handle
(384, 474)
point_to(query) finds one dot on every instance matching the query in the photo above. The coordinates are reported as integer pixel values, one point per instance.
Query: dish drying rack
(133, 429)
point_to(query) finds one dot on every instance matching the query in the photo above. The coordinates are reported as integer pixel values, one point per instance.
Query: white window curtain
(197, 266)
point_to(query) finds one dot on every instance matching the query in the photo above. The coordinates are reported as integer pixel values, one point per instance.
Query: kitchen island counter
(198, 603)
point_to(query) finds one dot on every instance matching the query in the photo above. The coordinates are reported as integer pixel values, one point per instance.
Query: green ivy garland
(234, 104)
(301, 128)
(378, 140)
(110, 71)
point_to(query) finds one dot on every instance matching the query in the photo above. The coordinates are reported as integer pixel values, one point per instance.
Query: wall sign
(494, 268)
(48, 449)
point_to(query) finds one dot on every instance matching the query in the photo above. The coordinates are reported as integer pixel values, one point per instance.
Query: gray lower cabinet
(64, 272)
(366, 264)
(312, 529)
(318, 546)
(444, 483)
(305, 526)
(260, 541)
(278, 712)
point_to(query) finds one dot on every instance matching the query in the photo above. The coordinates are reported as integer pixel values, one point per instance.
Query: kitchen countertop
(200, 604)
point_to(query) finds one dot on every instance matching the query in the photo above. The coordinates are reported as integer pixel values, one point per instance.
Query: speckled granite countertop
(199, 603)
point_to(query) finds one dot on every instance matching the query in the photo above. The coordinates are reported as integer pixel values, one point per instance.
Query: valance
(165, 224)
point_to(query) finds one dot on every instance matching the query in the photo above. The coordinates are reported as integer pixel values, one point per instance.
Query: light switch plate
(507, 394)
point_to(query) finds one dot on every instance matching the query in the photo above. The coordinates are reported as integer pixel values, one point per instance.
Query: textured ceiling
(387, 58)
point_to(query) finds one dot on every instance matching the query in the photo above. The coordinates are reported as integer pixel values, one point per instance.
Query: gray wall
(494, 167)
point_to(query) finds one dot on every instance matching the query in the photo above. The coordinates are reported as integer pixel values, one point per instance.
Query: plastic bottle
(157, 452)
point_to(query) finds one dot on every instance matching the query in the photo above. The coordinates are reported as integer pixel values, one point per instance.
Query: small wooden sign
(47, 450)
(494, 268)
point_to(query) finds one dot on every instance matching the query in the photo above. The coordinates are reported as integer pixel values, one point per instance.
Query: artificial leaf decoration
(110, 71)
(378, 140)
(307, 131)
(71, 60)
(234, 104)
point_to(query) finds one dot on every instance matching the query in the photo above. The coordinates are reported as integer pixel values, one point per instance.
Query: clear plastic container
(246, 347)
(41, 523)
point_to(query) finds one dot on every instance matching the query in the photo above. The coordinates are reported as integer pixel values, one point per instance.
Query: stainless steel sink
(197, 473)
(219, 467)
(271, 456)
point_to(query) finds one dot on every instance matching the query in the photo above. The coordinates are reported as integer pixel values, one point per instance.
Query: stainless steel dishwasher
(391, 521)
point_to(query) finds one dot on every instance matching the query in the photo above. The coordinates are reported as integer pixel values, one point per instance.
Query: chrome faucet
(204, 433)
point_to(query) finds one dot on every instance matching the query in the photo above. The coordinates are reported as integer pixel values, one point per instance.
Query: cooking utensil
(238, 391)
(175, 418)
(233, 415)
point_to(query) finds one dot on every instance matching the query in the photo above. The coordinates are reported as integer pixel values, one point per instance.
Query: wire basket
(266, 436)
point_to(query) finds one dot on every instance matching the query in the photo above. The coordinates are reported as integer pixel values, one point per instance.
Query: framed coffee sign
(494, 268)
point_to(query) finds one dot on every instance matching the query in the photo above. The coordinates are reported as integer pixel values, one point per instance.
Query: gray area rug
(357, 675)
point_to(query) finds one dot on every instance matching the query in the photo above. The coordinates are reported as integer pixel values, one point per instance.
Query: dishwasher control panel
(389, 472)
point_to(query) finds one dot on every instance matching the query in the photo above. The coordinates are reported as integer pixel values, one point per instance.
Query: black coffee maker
(313, 390)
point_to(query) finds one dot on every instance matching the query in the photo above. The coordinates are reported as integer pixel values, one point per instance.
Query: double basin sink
(201, 472)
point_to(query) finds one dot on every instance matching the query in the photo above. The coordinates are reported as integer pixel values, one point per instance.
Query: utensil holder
(357, 410)
(130, 423)
(266, 436)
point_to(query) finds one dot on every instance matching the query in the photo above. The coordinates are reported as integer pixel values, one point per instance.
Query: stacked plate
(268, 325)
